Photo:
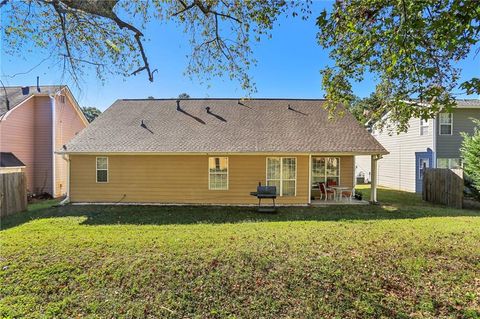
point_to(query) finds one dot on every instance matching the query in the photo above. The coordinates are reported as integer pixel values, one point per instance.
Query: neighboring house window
(424, 127)
(326, 170)
(423, 164)
(62, 99)
(282, 173)
(102, 169)
(452, 163)
(446, 123)
(218, 173)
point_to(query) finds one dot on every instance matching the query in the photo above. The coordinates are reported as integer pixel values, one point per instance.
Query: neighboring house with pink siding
(35, 122)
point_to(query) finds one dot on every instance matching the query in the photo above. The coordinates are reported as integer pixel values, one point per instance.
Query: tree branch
(104, 8)
(65, 39)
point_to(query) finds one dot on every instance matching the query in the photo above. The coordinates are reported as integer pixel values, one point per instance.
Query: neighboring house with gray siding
(432, 143)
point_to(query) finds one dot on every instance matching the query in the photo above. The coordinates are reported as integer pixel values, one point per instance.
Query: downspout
(310, 179)
(67, 199)
(52, 103)
(434, 142)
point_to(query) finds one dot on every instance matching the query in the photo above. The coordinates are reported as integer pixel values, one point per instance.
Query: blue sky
(288, 66)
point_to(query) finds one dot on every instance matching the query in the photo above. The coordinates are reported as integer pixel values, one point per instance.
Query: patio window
(282, 173)
(326, 170)
(446, 123)
(424, 127)
(218, 173)
(102, 169)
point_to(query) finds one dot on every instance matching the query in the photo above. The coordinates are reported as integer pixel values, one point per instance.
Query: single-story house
(214, 151)
(9, 163)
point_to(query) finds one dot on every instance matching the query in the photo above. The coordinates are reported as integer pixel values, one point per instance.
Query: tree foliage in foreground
(412, 48)
(471, 155)
(106, 35)
(91, 113)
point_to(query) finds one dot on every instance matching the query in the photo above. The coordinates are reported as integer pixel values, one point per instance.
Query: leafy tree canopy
(412, 48)
(107, 34)
(91, 113)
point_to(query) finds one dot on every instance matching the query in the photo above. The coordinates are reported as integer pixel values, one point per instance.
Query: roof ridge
(34, 85)
(227, 98)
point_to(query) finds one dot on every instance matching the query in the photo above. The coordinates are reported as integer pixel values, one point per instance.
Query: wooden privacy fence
(443, 186)
(13, 193)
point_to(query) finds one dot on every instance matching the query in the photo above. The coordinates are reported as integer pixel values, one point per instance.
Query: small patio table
(338, 191)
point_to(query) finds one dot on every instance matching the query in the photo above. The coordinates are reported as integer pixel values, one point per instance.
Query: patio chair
(348, 194)
(331, 183)
(324, 191)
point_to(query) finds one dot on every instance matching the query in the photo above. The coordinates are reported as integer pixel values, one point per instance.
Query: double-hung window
(282, 173)
(102, 169)
(424, 127)
(446, 123)
(218, 173)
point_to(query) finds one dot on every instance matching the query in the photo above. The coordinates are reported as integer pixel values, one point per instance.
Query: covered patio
(332, 180)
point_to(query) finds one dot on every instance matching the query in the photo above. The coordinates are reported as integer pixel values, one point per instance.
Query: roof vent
(25, 90)
(38, 83)
(178, 105)
(289, 107)
(208, 109)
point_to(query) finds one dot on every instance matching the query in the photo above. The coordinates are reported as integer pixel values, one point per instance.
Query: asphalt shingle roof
(231, 125)
(9, 160)
(16, 95)
(468, 103)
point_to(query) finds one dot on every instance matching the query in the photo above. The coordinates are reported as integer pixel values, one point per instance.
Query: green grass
(401, 259)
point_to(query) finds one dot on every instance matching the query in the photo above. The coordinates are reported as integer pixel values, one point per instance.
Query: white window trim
(228, 172)
(101, 169)
(440, 124)
(325, 173)
(281, 172)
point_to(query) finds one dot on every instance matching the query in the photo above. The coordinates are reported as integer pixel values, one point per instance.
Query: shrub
(470, 151)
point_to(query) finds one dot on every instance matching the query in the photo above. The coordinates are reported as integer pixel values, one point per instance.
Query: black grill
(265, 192)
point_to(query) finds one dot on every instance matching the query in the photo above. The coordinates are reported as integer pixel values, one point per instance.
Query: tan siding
(67, 124)
(346, 171)
(183, 179)
(175, 179)
(17, 136)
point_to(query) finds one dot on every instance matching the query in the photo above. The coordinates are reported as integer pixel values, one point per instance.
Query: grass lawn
(404, 258)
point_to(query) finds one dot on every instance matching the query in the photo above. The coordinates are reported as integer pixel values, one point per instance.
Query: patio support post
(373, 169)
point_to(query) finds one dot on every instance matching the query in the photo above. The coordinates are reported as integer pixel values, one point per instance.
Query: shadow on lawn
(171, 215)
